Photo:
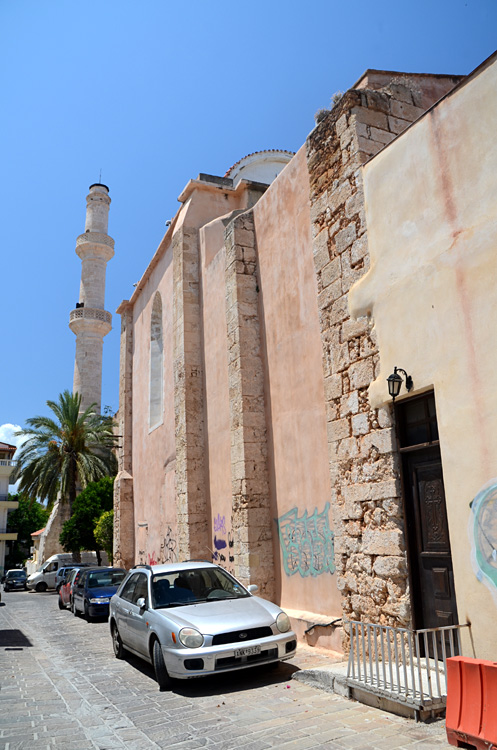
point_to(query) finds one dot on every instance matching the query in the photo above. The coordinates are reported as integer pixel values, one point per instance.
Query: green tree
(64, 453)
(28, 517)
(104, 533)
(78, 531)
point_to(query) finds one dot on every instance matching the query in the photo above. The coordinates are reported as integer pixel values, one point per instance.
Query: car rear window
(105, 578)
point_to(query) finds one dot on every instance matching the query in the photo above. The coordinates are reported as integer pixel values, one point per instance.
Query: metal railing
(408, 666)
(7, 462)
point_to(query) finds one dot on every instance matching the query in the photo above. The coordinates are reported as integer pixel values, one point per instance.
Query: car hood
(223, 615)
(101, 591)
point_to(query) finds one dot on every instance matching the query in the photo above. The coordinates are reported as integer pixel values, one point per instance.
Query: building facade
(6, 468)
(257, 426)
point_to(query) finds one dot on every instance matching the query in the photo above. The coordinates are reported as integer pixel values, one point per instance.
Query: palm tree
(63, 454)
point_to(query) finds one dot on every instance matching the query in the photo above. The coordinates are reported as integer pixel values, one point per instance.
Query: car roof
(102, 569)
(15, 570)
(176, 567)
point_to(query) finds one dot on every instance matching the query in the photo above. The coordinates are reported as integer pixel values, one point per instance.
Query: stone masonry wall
(124, 517)
(370, 547)
(189, 398)
(251, 520)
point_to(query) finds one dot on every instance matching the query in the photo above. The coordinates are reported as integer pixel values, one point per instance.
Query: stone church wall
(363, 459)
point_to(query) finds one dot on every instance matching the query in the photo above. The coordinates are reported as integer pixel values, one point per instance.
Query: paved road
(61, 687)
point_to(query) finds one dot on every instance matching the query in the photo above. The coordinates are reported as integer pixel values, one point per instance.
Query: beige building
(6, 468)
(257, 428)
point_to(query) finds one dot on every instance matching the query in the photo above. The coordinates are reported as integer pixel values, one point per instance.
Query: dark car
(92, 592)
(15, 579)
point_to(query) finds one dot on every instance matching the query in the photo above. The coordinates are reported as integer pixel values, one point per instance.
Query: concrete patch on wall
(307, 542)
(482, 529)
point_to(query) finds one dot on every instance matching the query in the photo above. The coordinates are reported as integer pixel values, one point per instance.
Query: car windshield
(16, 574)
(183, 587)
(99, 579)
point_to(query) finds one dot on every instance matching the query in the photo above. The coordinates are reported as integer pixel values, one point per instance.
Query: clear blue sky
(152, 93)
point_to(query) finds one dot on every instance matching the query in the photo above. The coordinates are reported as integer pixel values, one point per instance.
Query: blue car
(92, 592)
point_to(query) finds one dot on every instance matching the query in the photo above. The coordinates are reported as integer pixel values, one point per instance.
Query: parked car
(92, 591)
(15, 579)
(194, 619)
(62, 573)
(65, 589)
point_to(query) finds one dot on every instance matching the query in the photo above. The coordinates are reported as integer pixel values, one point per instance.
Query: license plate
(247, 651)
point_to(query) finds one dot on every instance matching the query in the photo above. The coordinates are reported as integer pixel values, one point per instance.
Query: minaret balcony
(90, 319)
(95, 244)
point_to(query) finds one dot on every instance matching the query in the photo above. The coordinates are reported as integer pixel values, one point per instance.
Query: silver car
(194, 619)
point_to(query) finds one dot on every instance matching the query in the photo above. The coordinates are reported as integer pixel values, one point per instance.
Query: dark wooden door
(432, 577)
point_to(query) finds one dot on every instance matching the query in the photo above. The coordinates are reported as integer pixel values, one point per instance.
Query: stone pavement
(63, 689)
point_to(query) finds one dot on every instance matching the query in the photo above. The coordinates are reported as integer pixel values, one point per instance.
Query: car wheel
(88, 617)
(117, 643)
(61, 604)
(161, 675)
(41, 587)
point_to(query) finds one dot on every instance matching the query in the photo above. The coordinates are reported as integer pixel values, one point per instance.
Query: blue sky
(152, 93)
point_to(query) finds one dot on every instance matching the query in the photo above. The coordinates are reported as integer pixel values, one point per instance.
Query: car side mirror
(252, 588)
(141, 602)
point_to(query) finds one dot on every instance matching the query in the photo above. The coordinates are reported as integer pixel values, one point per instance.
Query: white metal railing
(408, 666)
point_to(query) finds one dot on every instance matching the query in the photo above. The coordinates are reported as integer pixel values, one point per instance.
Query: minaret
(90, 321)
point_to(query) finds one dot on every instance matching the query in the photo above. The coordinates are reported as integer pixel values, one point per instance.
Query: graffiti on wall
(483, 535)
(307, 542)
(223, 544)
(168, 547)
(168, 551)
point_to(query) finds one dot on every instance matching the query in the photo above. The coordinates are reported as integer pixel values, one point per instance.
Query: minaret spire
(90, 321)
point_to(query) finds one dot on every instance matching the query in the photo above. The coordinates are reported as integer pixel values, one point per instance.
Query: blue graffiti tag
(307, 543)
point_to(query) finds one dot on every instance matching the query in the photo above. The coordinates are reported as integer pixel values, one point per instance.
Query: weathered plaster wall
(432, 233)
(213, 262)
(297, 444)
(153, 460)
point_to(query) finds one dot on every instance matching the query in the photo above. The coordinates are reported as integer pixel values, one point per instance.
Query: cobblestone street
(63, 688)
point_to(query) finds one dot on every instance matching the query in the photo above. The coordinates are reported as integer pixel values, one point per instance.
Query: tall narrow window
(156, 362)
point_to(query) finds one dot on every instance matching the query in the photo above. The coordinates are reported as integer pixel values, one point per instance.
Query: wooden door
(430, 563)
(432, 576)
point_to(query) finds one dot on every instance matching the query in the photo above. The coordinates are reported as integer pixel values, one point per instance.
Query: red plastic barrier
(471, 716)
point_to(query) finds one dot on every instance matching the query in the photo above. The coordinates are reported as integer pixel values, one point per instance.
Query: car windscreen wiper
(174, 604)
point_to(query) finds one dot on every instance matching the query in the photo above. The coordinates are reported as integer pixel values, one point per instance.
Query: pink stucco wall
(296, 416)
(154, 450)
(213, 260)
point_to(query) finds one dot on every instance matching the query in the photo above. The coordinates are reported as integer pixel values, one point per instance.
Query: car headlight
(283, 622)
(191, 638)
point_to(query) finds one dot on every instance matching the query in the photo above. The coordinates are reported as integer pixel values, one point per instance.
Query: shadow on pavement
(13, 638)
(227, 682)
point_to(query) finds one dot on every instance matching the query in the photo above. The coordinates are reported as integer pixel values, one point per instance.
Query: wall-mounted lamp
(395, 381)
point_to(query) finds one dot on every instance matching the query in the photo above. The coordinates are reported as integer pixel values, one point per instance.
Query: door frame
(432, 442)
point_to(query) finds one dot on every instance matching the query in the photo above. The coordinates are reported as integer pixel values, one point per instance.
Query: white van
(44, 578)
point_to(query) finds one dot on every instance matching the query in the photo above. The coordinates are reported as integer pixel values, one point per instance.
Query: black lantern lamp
(395, 381)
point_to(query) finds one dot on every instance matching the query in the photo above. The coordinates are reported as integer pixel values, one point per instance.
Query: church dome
(260, 166)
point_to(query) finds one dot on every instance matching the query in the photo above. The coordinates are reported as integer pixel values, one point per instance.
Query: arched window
(156, 362)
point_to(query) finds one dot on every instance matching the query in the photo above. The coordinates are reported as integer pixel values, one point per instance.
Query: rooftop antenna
(100, 176)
